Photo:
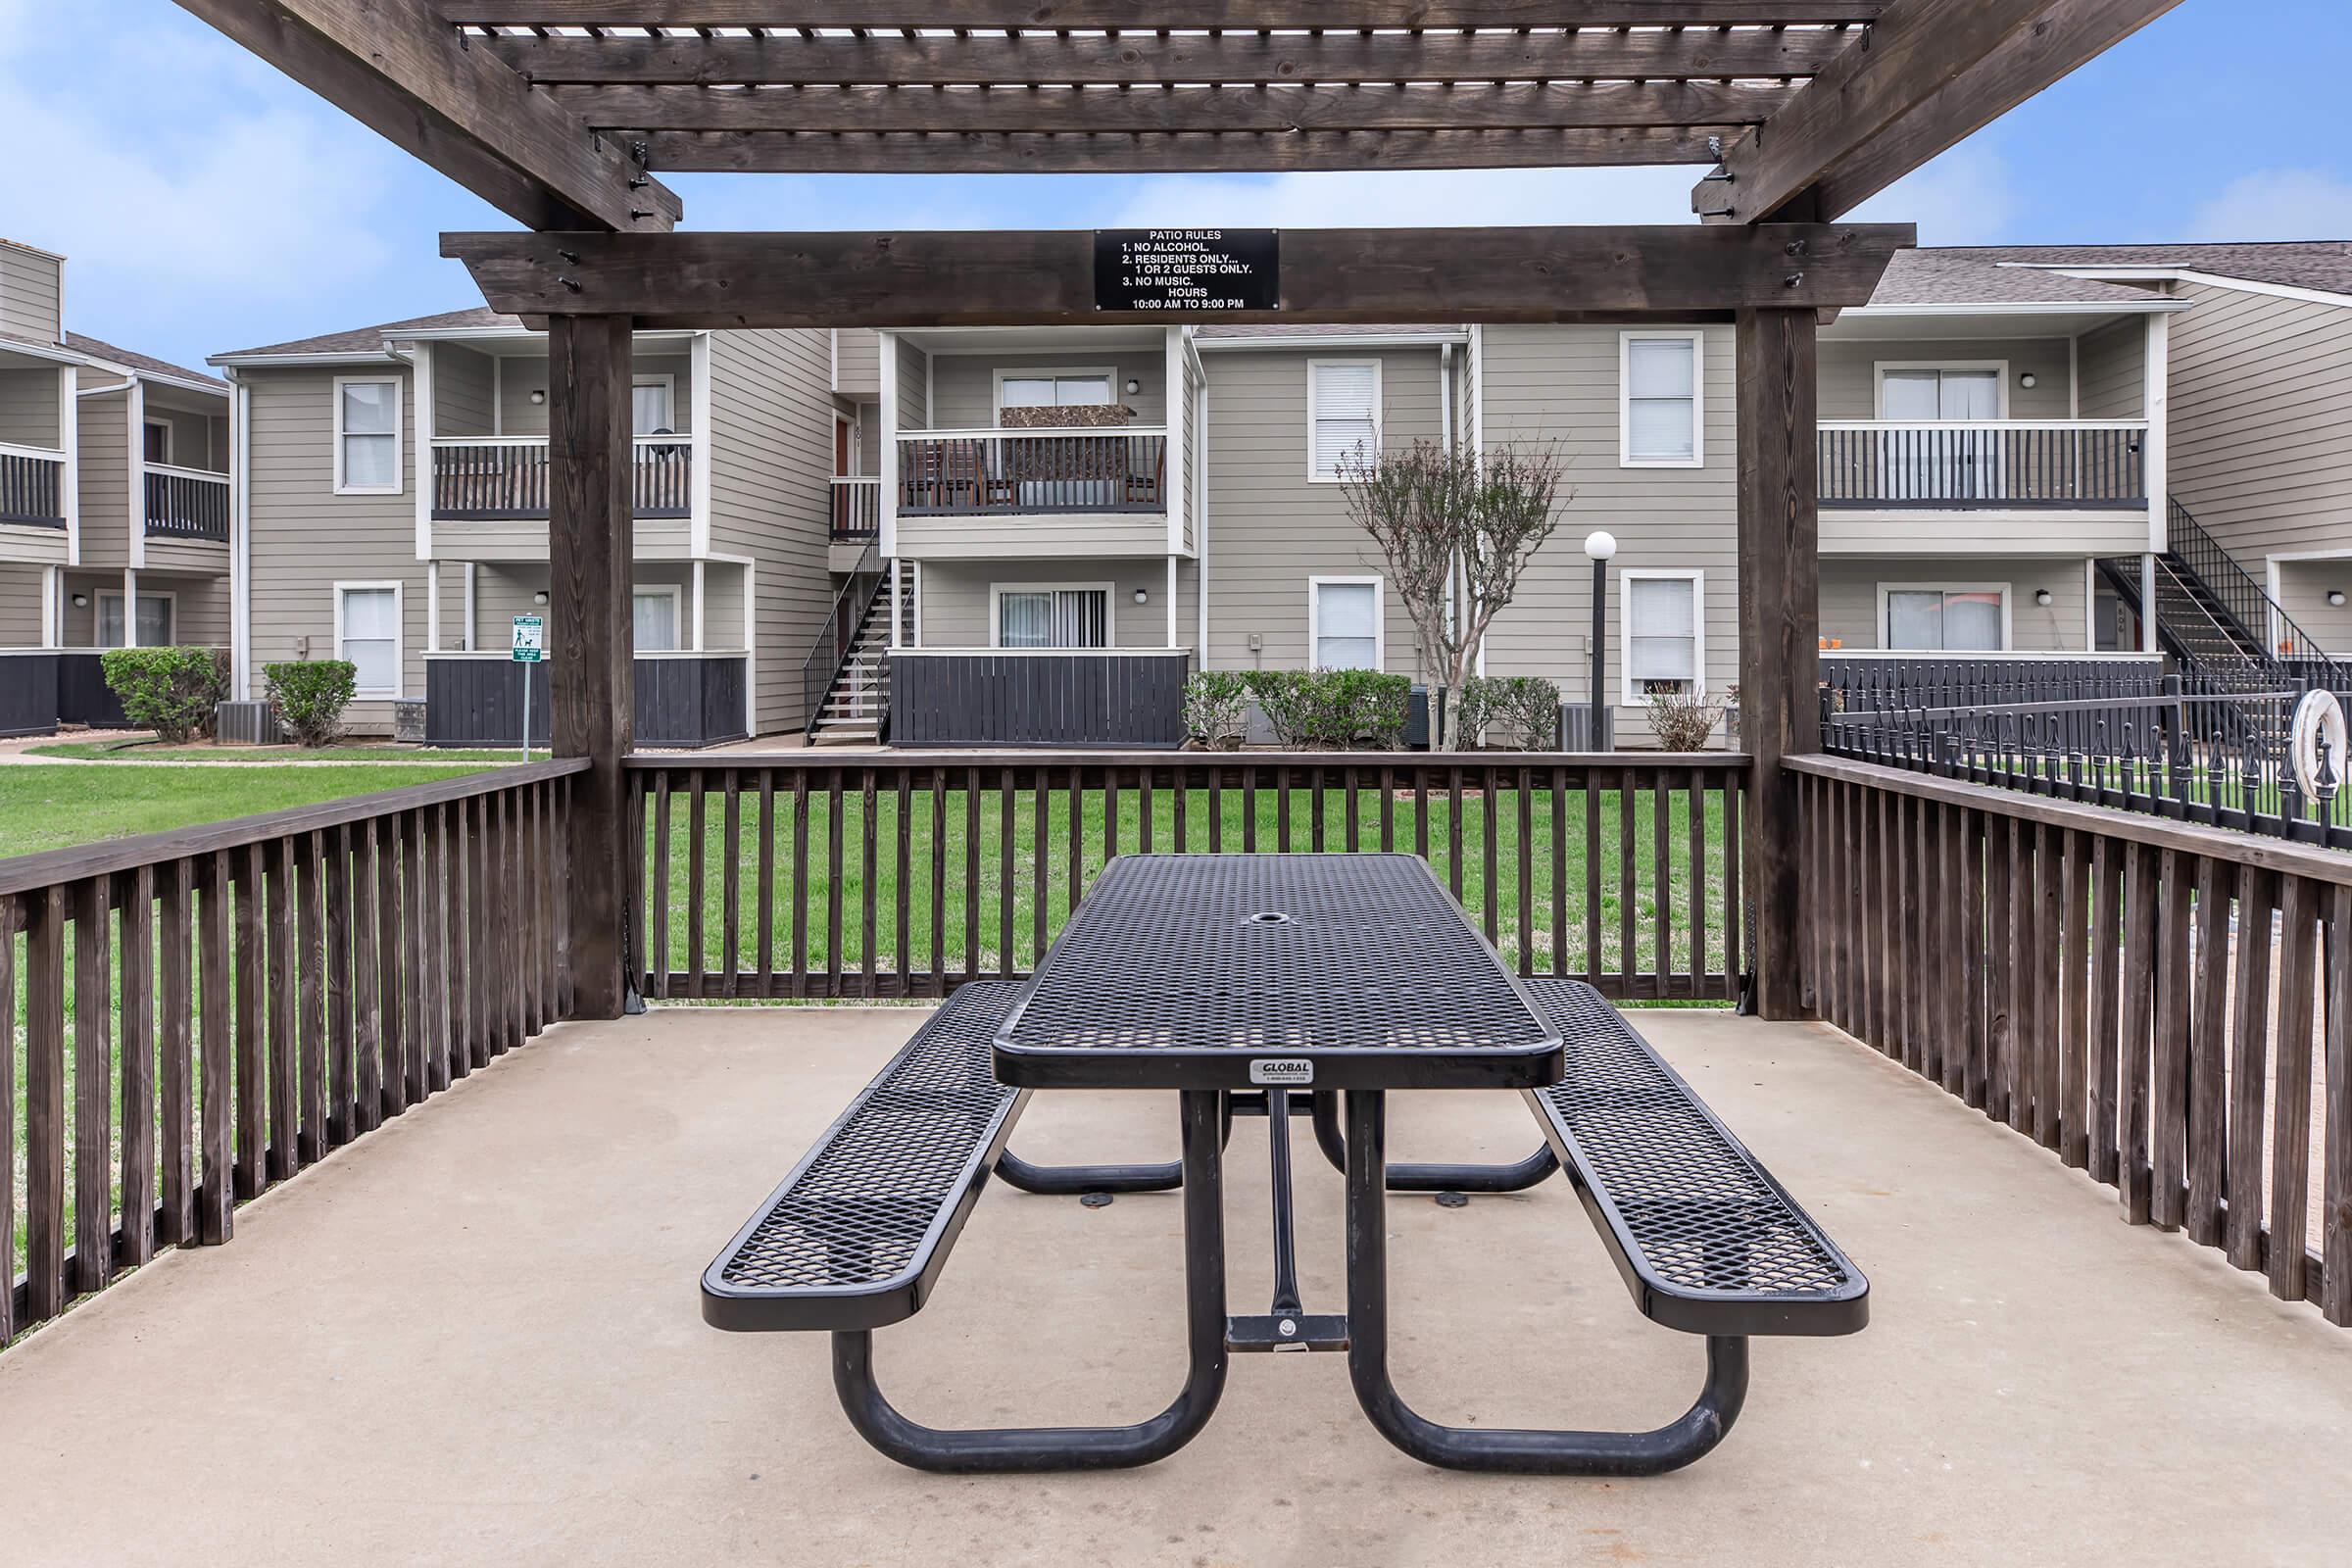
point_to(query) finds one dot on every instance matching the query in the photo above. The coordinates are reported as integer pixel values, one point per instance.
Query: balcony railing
(856, 510)
(32, 486)
(186, 503)
(504, 478)
(2010, 465)
(962, 474)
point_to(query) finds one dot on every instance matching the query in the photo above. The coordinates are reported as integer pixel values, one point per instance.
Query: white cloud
(1965, 197)
(1439, 198)
(2277, 204)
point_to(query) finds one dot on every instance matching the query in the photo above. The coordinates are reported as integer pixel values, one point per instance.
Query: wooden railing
(186, 503)
(503, 478)
(2006, 464)
(856, 510)
(980, 472)
(250, 996)
(908, 875)
(32, 486)
(2166, 1006)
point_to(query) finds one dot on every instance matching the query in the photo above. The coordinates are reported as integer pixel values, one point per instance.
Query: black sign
(1187, 271)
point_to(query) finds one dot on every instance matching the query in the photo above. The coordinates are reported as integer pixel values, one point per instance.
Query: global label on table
(1282, 1072)
(1188, 270)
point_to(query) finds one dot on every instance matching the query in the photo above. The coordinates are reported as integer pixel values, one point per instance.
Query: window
(367, 436)
(1344, 623)
(1665, 633)
(1343, 415)
(155, 620)
(367, 635)
(1050, 617)
(156, 441)
(1659, 400)
(653, 618)
(1052, 389)
(1921, 393)
(1928, 617)
(1941, 467)
(652, 410)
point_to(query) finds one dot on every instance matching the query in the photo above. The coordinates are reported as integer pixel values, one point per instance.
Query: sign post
(530, 647)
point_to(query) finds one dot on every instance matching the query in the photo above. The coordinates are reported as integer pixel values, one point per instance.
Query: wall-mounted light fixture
(539, 598)
(2041, 597)
(1134, 386)
(538, 397)
(1143, 596)
(2335, 599)
(2029, 380)
(81, 601)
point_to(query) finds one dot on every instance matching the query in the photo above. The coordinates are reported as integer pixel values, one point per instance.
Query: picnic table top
(1300, 971)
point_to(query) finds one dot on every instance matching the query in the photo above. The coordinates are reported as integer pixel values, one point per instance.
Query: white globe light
(1600, 544)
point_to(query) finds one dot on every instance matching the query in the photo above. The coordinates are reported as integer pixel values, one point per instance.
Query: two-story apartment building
(115, 502)
(397, 518)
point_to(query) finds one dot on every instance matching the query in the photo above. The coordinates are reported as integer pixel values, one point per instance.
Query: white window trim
(1380, 614)
(1625, 578)
(165, 426)
(1697, 339)
(1378, 421)
(1040, 372)
(1999, 368)
(996, 609)
(1886, 637)
(677, 609)
(670, 386)
(399, 628)
(97, 616)
(398, 473)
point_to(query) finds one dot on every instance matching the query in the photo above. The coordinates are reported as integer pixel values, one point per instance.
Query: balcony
(856, 510)
(504, 478)
(2001, 466)
(32, 487)
(186, 503)
(1009, 474)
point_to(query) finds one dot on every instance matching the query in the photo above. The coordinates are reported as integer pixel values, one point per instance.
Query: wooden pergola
(562, 113)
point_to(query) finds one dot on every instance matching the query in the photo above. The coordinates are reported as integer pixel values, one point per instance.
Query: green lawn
(51, 808)
(147, 751)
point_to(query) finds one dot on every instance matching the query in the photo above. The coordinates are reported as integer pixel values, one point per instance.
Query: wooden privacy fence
(795, 875)
(2164, 1004)
(205, 1012)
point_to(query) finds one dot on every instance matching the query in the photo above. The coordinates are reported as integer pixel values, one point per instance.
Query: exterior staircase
(844, 682)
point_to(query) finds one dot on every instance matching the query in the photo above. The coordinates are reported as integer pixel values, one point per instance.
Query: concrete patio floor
(474, 1338)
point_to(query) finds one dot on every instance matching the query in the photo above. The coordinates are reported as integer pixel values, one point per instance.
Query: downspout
(240, 523)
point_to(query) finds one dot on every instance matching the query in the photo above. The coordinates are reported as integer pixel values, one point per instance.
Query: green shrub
(1288, 700)
(1526, 708)
(1333, 709)
(1475, 713)
(172, 691)
(309, 698)
(1216, 709)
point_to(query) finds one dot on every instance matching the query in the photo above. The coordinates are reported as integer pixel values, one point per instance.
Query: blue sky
(209, 204)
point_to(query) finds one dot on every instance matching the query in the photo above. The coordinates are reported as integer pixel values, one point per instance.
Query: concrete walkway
(474, 1338)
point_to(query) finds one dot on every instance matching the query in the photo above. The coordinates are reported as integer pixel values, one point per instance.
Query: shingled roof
(2324, 265)
(365, 341)
(100, 349)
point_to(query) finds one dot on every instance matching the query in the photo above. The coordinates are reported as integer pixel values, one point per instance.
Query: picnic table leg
(1078, 1181)
(1518, 1452)
(1516, 1177)
(1038, 1448)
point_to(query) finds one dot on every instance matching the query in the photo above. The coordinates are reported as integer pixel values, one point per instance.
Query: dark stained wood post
(590, 657)
(1779, 616)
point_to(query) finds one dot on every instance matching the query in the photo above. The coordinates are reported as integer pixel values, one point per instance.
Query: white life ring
(2319, 717)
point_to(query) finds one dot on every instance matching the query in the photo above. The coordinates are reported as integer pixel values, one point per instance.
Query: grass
(53, 807)
(147, 751)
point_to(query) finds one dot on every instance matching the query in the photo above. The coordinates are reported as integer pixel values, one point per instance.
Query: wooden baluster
(251, 999)
(698, 859)
(93, 1081)
(2250, 1038)
(44, 1105)
(971, 871)
(2208, 1114)
(2335, 1240)
(765, 886)
(1007, 834)
(834, 967)
(9, 920)
(730, 918)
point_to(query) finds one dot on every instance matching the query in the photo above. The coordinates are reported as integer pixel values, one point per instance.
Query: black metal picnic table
(1282, 984)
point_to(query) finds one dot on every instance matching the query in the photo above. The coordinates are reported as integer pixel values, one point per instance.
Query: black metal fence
(1875, 681)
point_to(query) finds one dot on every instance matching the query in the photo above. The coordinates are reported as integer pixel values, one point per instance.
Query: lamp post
(1599, 546)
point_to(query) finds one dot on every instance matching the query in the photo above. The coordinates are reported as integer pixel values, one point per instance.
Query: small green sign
(530, 639)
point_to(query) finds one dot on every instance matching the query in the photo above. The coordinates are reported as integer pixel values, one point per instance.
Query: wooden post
(1780, 616)
(590, 666)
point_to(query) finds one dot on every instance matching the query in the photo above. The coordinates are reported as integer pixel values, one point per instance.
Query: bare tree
(1457, 530)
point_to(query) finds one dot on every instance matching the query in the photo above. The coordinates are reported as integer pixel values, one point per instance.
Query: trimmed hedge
(171, 691)
(309, 696)
(1333, 709)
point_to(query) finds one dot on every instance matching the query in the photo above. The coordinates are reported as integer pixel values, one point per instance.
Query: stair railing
(2261, 619)
(839, 637)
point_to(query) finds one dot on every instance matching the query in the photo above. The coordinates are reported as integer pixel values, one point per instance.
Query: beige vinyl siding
(1849, 371)
(964, 386)
(772, 467)
(28, 407)
(101, 426)
(1849, 596)
(463, 387)
(2303, 589)
(722, 611)
(31, 295)
(1270, 529)
(523, 375)
(2113, 362)
(914, 376)
(989, 538)
(1560, 384)
(2261, 422)
(195, 556)
(20, 607)
(857, 367)
(867, 450)
(956, 597)
(199, 607)
(306, 538)
(504, 591)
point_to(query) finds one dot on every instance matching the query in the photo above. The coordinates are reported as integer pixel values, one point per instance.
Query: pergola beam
(715, 281)
(1932, 72)
(1240, 151)
(1066, 111)
(1135, 60)
(399, 69)
(1239, 15)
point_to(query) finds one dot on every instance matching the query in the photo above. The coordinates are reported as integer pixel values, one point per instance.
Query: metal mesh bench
(1708, 1242)
(857, 1234)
